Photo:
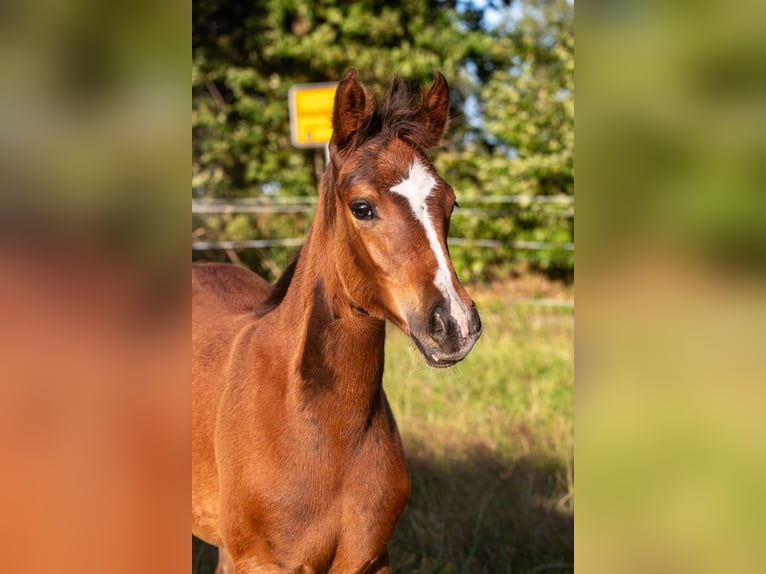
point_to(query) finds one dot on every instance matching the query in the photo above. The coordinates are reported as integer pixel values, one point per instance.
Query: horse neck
(340, 353)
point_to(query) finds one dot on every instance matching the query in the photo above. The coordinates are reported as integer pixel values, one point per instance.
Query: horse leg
(381, 566)
(347, 565)
(253, 566)
(225, 563)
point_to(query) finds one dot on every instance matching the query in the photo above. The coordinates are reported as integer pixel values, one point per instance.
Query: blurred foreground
(671, 310)
(94, 326)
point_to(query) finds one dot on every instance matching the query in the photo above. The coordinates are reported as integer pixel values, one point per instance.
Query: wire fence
(276, 205)
(478, 207)
(297, 242)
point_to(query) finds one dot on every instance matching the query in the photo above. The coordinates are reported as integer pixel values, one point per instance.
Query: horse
(297, 462)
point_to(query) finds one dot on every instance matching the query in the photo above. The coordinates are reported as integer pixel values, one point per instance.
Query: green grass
(489, 444)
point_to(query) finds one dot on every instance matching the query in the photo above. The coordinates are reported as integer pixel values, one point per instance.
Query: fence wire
(308, 205)
(484, 206)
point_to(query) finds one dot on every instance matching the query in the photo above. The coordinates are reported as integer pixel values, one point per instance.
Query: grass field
(490, 447)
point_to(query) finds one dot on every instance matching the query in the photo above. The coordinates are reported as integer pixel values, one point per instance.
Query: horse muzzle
(446, 337)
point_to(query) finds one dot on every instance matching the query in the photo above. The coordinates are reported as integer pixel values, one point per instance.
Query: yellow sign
(311, 114)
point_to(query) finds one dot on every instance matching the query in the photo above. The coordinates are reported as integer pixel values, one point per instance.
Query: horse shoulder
(224, 300)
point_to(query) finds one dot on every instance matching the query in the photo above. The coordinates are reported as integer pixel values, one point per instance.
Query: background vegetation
(511, 70)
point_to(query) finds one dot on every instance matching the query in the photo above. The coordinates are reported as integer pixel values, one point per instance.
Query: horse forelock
(396, 115)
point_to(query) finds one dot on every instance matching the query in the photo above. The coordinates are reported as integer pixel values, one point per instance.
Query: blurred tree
(523, 138)
(245, 57)
(510, 70)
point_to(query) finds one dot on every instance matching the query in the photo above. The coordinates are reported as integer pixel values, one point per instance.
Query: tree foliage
(511, 72)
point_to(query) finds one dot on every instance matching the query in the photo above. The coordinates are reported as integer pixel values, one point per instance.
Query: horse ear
(351, 108)
(433, 110)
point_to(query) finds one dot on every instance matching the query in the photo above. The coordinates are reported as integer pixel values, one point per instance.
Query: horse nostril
(438, 325)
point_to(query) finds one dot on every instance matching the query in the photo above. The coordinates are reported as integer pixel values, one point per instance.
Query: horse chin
(435, 357)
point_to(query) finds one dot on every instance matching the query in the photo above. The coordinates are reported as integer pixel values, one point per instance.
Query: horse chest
(344, 517)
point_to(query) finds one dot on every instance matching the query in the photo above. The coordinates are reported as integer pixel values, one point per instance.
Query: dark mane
(279, 290)
(396, 115)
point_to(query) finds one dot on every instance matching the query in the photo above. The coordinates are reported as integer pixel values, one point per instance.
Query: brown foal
(297, 463)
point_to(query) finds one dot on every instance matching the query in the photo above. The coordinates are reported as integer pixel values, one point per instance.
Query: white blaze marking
(416, 187)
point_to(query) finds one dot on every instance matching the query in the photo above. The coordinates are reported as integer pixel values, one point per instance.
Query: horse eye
(362, 210)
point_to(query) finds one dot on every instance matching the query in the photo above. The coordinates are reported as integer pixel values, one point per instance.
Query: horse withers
(297, 463)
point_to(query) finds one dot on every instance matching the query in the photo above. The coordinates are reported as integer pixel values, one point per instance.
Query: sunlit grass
(489, 444)
(518, 378)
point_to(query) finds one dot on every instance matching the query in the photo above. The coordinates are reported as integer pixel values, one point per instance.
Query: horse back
(225, 301)
(234, 289)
